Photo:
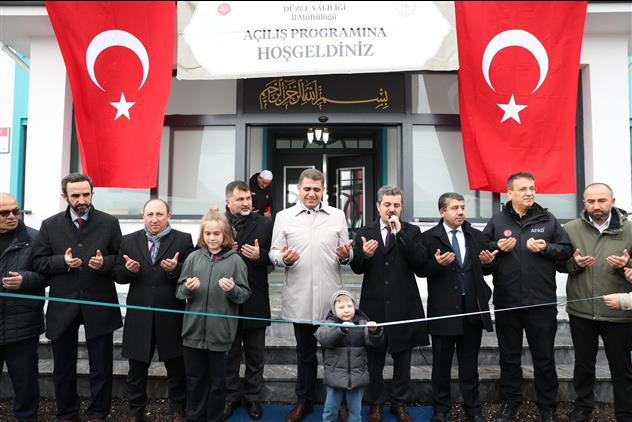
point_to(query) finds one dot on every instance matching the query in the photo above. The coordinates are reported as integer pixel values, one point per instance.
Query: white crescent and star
(515, 38)
(117, 38)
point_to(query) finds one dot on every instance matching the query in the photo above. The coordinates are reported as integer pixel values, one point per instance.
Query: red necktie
(80, 222)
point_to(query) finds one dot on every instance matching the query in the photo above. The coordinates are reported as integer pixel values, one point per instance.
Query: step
(282, 350)
(280, 382)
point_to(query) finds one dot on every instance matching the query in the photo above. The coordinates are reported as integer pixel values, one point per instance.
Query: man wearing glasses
(529, 240)
(21, 321)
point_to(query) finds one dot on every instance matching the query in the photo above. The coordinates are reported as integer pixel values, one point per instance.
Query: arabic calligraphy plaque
(358, 93)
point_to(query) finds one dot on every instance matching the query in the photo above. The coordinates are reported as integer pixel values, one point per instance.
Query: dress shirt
(460, 237)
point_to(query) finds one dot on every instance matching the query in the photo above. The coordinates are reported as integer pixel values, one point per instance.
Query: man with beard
(530, 241)
(150, 260)
(252, 234)
(389, 253)
(602, 238)
(21, 321)
(261, 191)
(77, 250)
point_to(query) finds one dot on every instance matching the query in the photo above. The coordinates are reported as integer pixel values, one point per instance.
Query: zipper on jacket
(208, 291)
(13, 247)
(348, 362)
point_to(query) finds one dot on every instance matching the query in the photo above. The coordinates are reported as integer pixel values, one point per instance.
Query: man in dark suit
(456, 252)
(77, 250)
(150, 260)
(253, 234)
(389, 253)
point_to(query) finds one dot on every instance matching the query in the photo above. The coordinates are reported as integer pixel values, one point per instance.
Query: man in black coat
(261, 191)
(21, 320)
(77, 250)
(150, 260)
(454, 270)
(253, 234)
(389, 253)
(530, 241)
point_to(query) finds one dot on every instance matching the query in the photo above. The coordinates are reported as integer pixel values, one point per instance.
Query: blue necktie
(455, 246)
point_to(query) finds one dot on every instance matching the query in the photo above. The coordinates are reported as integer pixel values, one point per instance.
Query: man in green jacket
(602, 237)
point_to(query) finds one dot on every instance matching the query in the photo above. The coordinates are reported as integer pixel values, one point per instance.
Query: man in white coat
(310, 240)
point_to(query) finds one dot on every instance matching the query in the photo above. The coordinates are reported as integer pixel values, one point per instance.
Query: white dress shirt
(460, 237)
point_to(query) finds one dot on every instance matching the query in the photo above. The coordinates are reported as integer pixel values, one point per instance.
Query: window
(195, 166)
(438, 158)
(202, 164)
(439, 166)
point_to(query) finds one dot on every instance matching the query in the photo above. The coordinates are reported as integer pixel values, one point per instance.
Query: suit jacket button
(386, 263)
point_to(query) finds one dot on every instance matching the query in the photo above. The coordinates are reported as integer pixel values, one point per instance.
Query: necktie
(153, 252)
(80, 222)
(455, 246)
(389, 236)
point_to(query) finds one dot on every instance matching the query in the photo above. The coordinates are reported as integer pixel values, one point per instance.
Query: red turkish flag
(119, 58)
(518, 75)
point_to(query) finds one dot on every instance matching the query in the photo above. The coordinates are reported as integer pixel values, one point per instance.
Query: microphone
(392, 225)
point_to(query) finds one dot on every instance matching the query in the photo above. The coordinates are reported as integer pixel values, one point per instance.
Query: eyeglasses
(5, 213)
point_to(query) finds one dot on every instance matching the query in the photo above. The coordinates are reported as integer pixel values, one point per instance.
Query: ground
(158, 411)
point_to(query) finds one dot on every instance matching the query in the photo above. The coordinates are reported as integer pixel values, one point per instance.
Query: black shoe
(507, 412)
(475, 418)
(548, 415)
(254, 410)
(579, 414)
(229, 408)
(439, 417)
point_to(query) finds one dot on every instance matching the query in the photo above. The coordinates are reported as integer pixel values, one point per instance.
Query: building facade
(219, 130)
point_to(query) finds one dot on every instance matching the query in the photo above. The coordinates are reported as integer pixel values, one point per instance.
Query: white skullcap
(266, 175)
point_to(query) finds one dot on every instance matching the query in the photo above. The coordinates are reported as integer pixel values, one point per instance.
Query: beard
(245, 213)
(600, 215)
(80, 209)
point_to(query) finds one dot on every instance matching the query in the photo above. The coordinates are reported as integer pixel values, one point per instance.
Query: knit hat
(340, 293)
(266, 175)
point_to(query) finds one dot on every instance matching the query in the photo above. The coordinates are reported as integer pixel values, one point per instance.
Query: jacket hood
(340, 293)
(225, 253)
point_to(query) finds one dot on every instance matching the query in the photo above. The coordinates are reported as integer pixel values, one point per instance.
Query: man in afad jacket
(530, 242)
(602, 238)
(21, 320)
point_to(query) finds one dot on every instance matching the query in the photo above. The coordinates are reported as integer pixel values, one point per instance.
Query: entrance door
(351, 188)
(347, 160)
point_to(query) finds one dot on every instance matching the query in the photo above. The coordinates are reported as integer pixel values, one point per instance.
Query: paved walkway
(276, 413)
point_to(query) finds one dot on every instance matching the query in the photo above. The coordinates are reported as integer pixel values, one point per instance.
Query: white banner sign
(244, 39)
